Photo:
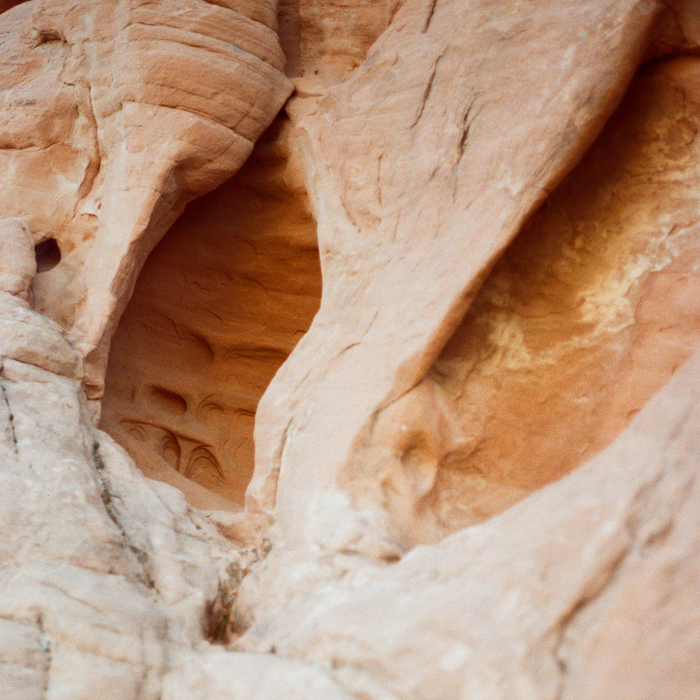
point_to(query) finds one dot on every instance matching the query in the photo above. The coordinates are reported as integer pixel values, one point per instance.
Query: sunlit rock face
(89, 94)
(423, 371)
(410, 395)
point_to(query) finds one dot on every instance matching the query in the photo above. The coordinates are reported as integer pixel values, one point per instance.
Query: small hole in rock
(47, 36)
(48, 255)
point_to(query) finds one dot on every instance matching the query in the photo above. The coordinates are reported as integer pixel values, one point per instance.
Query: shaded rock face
(586, 315)
(218, 307)
(450, 300)
(188, 410)
(325, 40)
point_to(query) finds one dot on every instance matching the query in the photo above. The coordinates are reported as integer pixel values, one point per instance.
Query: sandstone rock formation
(220, 304)
(450, 297)
(92, 92)
(424, 183)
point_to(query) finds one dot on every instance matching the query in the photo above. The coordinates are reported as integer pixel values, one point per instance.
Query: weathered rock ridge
(91, 92)
(424, 372)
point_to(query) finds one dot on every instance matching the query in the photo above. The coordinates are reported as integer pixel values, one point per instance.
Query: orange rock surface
(92, 92)
(423, 372)
(587, 314)
(220, 304)
(418, 189)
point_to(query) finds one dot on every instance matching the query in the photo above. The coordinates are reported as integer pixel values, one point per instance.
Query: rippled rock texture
(423, 372)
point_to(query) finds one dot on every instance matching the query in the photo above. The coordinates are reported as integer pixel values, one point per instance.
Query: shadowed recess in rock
(584, 318)
(219, 305)
(48, 255)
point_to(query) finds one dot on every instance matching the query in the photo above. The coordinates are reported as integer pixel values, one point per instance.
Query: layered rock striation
(424, 369)
(115, 115)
